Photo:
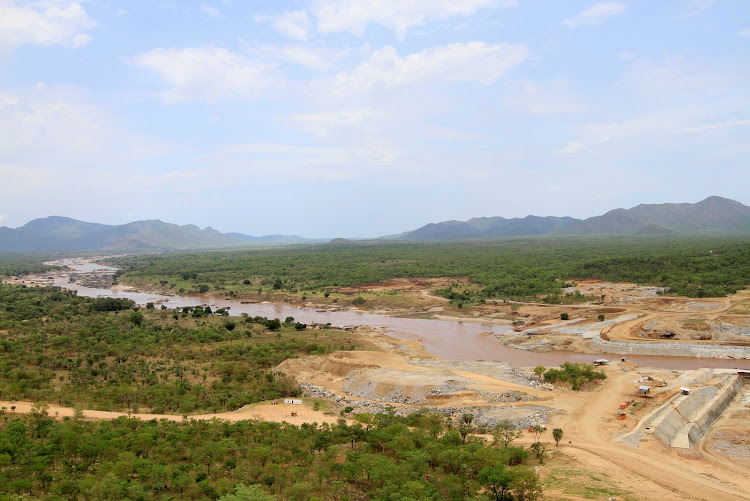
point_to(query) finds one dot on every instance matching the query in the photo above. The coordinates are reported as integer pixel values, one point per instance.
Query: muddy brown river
(448, 339)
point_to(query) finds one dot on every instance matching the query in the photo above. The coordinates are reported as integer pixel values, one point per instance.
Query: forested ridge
(512, 269)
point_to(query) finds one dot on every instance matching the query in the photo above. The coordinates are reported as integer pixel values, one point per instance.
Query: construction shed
(295, 401)
(643, 389)
(685, 391)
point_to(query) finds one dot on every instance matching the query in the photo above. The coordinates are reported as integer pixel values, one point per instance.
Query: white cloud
(57, 122)
(43, 23)
(595, 15)
(50, 136)
(304, 55)
(717, 125)
(574, 147)
(671, 77)
(650, 126)
(210, 11)
(254, 161)
(338, 124)
(698, 5)
(461, 62)
(745, 33)
(3, 217)
(544, 98)
(398, 15)
(207, 73)
(295, 25)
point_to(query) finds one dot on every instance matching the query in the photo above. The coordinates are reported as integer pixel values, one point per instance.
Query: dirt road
(265, 412)
(689, 478)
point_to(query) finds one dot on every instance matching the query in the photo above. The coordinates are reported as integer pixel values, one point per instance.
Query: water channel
(448, 339)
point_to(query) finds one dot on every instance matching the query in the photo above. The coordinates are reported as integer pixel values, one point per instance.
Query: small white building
(643, 389)
(685, 391)
(295, 401)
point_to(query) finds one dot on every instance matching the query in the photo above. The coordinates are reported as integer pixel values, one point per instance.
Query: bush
(564, 316)
(575, 374)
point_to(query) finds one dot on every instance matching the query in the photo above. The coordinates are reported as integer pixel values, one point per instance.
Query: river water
(448, 339)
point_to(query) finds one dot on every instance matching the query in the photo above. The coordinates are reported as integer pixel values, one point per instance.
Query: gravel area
(520, 417)
(498, 370)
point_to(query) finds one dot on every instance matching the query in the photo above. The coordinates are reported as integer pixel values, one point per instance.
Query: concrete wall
(686, 418)
(680, 349)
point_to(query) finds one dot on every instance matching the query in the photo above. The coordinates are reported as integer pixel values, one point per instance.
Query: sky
(327, 118)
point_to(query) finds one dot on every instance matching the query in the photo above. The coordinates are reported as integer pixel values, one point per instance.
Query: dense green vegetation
(387, 458)
(17, 263)
(106, 354)
(512, 269)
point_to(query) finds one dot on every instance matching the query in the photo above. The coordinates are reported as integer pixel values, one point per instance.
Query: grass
(582, 483)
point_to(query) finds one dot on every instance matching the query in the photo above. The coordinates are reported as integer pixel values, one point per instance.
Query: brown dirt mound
(332, 365)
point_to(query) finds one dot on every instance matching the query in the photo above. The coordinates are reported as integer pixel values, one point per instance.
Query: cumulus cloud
(595, 15)
(461, 62)
(43, 23)
(206, 73)
(398, 15)
(294, 24)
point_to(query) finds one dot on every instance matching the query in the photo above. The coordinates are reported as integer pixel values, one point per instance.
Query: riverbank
(484, 332)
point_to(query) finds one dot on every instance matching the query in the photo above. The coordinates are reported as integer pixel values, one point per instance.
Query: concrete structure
(685, 418)
(643, 390)
(685, 391)
(295, 401)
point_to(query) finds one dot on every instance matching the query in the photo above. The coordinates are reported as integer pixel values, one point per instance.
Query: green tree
(557, 434)
(505, 433)
(497, 481)
(39, 413)
(136, 318)
(245, 493)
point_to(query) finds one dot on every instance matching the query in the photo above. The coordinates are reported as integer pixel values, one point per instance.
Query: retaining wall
(669, 349)
(686, 418)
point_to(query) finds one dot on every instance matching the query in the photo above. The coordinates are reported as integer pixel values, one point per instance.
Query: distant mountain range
(66, 234)
(714, 215)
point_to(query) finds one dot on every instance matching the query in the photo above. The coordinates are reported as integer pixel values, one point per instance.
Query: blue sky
(348, 118)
